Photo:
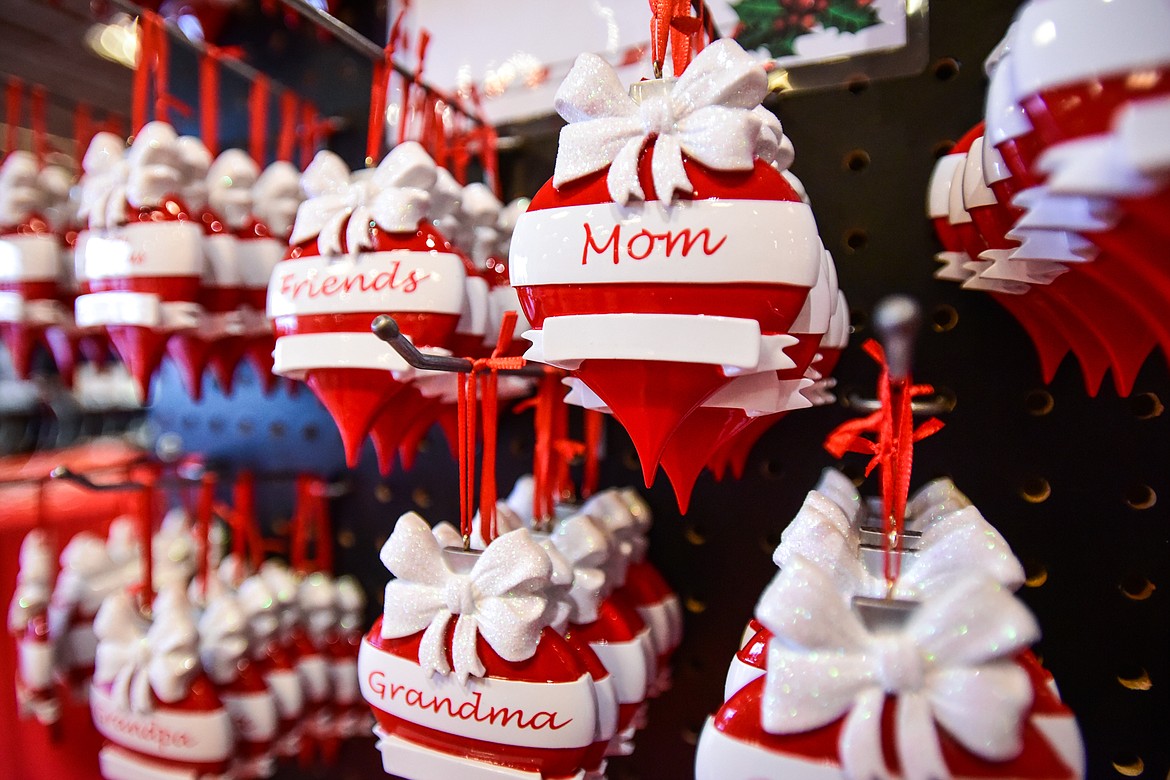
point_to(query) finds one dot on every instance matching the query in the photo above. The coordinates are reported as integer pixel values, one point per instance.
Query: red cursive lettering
(390, 279)
(469, 709)
(643, 244)
(112, 722)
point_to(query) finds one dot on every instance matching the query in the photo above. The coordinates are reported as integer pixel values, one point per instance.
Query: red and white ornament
(943, 688)
(159, 713)
(361, 248)
(30, 262)
(143, 255)
(29, 625)
(223, 653)
(640, 266)
(463, 671)
(275, 663)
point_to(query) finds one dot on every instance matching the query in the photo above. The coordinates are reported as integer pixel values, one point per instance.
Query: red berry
(807, 21)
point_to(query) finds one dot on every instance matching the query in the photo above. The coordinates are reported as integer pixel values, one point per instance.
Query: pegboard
(1078, 486)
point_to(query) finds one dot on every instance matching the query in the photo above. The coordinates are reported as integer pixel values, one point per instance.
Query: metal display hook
(897, 320)
(386, 328)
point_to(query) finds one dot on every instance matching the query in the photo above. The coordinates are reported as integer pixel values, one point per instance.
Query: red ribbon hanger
(13, 100)
(672, 20)
(40, 133)
(209, 93)
(258, 99)
(892, 447)
(379, 88)
(286, 142)
(311, 524)
(203, 518)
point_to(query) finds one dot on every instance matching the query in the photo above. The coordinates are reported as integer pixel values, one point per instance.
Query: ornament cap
(642, 90)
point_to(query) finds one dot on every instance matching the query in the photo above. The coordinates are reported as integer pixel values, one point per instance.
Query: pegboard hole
(518, 446)
(1035, 490)
(421, 497)
(1035, 574)
(942, 148)
(945, 68)
(690, 736)
(856, 240)
(944, 318)
(858, 84)
(383, 495)
(770, 469)
(770, 542)
(280, 526)
(310, 432)
(695, 534)
(857, 160)
(190, 421)
(277, 430)
(217, 425)
(695, 605)
(1147, 406)
(245, 427)
(1132, 767)
(1135, 679)
(1039, 403)
(630, 461)
(1140, 497)
(346, 540)
(1136, 588)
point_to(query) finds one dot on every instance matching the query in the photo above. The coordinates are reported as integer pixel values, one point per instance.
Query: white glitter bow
(950, 666)
(706, 114)
(395, 197)
(136, 660)
(503, 598)
(956, 545)
(586, 548)
(223, 637)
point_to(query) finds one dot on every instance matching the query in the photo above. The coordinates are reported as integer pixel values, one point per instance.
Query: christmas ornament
(358, 250)
(230, 182)
(351, 717)
(462, 670)
(150, 699)
(143, 258)
(28, 624)
(943, 686)
(223, 653)
(87, 576)
(273, 661)
(276, 195)
(29, 262)
(666, 291)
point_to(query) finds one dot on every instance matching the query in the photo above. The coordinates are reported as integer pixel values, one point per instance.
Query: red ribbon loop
(258, 99)
(892, 447)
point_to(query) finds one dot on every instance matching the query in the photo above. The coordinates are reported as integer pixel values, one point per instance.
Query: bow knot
(899, 665)
(503, 598)
(706, 114)
(949, 666)
(459, 595)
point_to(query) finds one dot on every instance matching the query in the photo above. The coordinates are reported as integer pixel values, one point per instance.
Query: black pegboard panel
(1077, 485)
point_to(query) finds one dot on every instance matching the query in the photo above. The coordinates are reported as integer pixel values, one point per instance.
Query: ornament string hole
(771, 470)
(1035, 490)
(856, 240)
(1140, 497)
(857, 160)
(942, 148)
(1035, 574)
(1136, 588)
(695, 534)
(945, 68)
(1146, 406)
(383, 495)
(1135, 678)
(421, 498)
(1039, 402)
(1132, 767)
(944, 318)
